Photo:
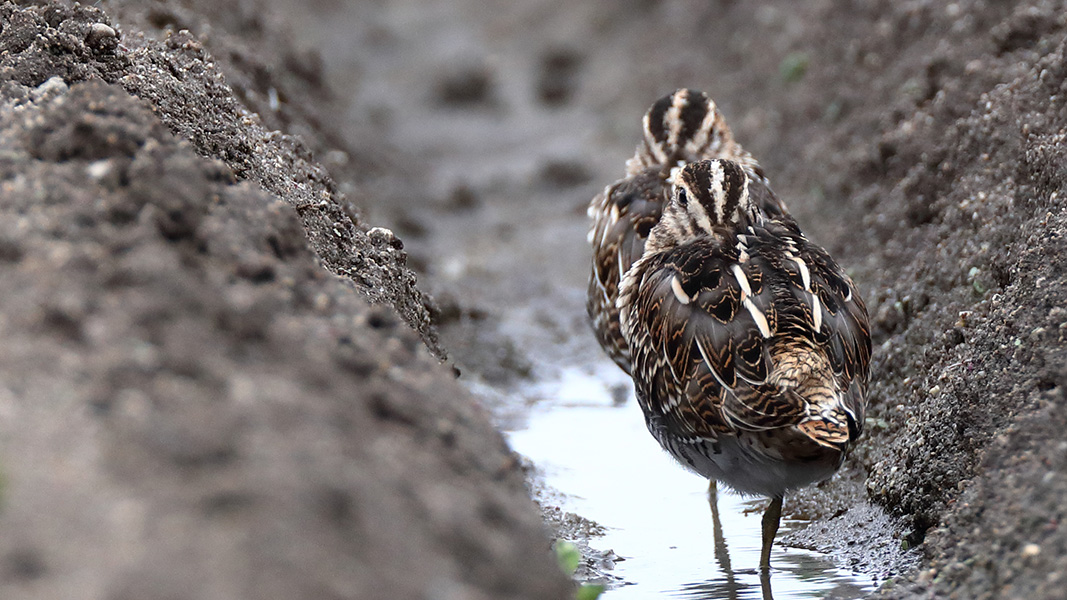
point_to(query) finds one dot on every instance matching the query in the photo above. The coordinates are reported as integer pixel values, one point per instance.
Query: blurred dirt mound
(191, 406)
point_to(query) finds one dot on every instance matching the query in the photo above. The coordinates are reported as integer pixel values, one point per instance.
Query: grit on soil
(198, 400)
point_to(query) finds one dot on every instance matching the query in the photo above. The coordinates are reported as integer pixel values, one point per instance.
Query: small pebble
(1031, 550)
(380, 236)
(101, 37)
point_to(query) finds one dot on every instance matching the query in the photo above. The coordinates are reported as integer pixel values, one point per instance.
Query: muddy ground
(194, 385)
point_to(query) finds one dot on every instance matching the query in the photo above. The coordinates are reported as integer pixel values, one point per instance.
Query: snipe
(748, 345)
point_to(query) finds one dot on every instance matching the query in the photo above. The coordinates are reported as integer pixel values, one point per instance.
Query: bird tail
(832, 416)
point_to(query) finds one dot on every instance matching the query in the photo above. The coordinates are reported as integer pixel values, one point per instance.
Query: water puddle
(597, 453)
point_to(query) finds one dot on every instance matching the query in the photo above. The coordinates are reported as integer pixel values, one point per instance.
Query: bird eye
(682, 198)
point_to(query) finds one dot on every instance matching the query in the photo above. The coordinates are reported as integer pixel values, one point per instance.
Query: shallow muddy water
(596, 453)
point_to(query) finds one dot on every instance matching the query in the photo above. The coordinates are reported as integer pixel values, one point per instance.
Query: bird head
(704, 195)
(684, 126)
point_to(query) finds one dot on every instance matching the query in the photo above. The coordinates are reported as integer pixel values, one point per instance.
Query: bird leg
(771, 518)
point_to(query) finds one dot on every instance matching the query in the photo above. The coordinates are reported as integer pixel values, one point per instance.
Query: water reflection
(798, 566)
(679, 540)
(722, 554)
(727, 586)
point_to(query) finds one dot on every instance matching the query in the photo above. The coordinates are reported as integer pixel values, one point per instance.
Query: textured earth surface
(214, 381)
(198, 400)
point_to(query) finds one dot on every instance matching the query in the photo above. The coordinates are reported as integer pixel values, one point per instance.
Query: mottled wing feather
(844, 332)
(623, 216)
(705, 344)
(847, 328)
(686, 335)
(841, 332)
